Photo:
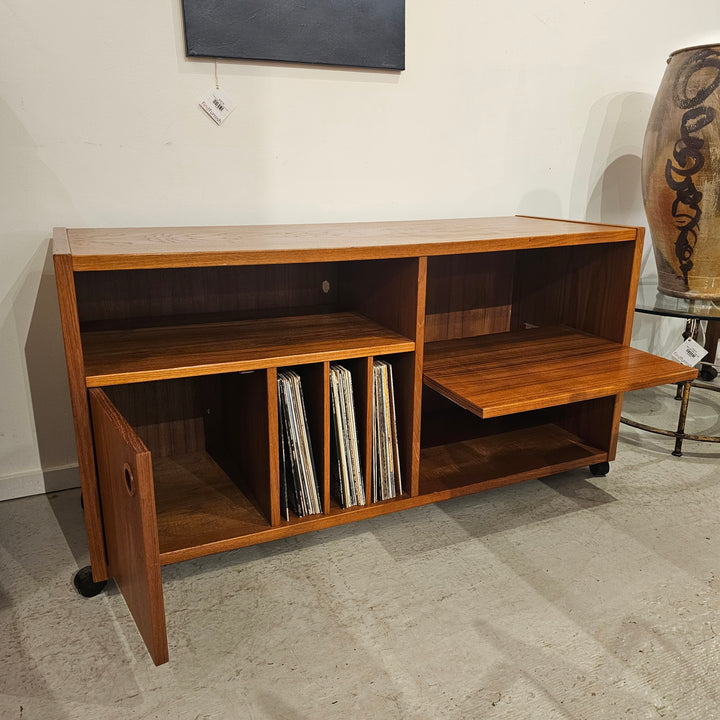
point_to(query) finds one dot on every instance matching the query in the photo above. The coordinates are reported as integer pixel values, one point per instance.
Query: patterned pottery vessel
(681, 174)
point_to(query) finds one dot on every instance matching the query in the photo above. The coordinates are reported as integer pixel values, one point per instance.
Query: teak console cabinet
(508, 338)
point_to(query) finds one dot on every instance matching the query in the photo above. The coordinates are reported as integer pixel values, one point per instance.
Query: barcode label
(218, 106)
(690, 353)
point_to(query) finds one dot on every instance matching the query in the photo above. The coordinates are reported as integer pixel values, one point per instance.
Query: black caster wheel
(708, 373)
(85, 585)
(600, 469)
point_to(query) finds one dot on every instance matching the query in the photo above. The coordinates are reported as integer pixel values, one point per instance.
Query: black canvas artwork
(360, 33)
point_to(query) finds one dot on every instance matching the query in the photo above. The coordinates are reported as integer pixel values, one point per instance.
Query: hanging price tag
(690, 353)
(218, 106)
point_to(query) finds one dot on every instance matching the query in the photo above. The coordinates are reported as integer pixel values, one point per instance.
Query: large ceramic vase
(681, 174)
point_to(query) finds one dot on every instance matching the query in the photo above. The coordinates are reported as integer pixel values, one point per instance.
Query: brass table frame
(692, 327)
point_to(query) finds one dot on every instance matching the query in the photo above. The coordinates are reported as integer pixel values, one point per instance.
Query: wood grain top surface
(494, 375)
(129, 248)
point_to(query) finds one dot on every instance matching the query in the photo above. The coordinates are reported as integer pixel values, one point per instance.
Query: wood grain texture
(469, 295)
(126, 482)
(415, 393)
(518, 371)
(122, 356)
(198, 505)
(273, 447)
(137, 298)
(79, 403)
(447, 471)
(251, 441)
(385, 291)
(494, 460)
(586, 287)
(393, 293)
(170, 417)
(190, 324)
(594, 421)
(133, 248)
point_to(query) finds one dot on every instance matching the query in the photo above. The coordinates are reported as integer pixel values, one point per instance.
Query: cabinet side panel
(633, 285)
(79, 402)
(591, 288)
(469, 295)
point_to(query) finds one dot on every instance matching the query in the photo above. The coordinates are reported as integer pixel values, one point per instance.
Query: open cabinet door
(128, 507)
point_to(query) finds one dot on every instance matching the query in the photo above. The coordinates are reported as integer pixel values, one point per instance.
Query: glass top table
(652, 302)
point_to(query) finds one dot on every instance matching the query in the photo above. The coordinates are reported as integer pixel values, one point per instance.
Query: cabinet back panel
(585, 287)
(169, 416)
(135, 298)
(468, 295)
(444, 422)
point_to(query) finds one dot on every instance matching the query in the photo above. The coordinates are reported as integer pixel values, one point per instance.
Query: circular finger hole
(129, 479)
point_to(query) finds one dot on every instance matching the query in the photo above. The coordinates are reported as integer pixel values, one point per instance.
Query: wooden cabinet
(508, 340)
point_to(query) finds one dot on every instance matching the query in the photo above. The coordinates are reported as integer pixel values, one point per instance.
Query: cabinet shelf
(505, 373)
(200, 510)
(115, 357)
(482, 463)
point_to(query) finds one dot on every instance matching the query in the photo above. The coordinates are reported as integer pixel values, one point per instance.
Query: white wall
(507, 108)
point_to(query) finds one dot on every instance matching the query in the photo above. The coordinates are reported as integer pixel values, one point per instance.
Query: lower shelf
(481, 463)
(201, 511)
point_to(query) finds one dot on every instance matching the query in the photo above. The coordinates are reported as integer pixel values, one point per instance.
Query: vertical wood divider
(69, 319)
(392, 292)
(325, 449)
(273, 458)
(415, 399)
(364, 408)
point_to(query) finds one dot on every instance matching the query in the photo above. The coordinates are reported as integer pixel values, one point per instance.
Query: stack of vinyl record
(386, 478)
(348, 486)
(299, 490)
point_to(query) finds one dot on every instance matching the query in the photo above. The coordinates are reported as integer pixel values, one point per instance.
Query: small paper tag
(218, 106)
(690, 353)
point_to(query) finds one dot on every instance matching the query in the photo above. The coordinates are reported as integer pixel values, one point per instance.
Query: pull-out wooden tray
(494, 375)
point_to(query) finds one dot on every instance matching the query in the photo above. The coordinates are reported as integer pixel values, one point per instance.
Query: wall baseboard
(39, 482)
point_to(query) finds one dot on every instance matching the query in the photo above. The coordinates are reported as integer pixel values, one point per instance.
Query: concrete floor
(573, 597)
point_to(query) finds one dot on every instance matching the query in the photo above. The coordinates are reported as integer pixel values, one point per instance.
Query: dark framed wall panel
(360, 33)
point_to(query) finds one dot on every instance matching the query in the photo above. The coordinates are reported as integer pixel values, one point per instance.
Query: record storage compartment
(508, 340)
(526, 329)
(213, 435)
